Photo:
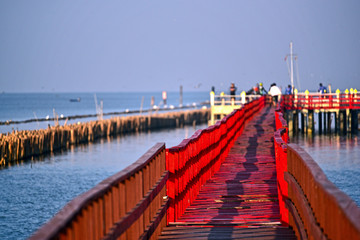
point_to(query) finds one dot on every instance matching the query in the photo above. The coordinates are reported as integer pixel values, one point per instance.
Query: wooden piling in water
(354, 121)
(329, 122)
(24, 144)
(296, 122)
(302, 123)
(320, 123)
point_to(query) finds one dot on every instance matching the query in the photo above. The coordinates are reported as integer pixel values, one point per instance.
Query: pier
(222, 105)
(342, 108)
(239, 178)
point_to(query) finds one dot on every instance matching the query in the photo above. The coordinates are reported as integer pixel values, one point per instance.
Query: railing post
(347, 98)
(280, 141)
(170, 185)
(243, 97)
(212, 98)
(337, 98)
(307, 99)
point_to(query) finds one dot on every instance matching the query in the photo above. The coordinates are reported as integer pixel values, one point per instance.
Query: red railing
(313, 206)
(196, 159)
(313, 101)
(139, 201)
(280, 144)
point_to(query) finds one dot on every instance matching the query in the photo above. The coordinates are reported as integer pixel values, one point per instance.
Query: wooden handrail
(302, 210)
(125, 223)
(315, 207)
(196, 159)
(232, 99)
(314, 101)
(335, 212)
(93, 214)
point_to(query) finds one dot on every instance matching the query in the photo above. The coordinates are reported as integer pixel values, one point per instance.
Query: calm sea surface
(23, 106)
(35, 190)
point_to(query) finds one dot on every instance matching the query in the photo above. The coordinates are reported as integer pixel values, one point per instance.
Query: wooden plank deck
(240, 200)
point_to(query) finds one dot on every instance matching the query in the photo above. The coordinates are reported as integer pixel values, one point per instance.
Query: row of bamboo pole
(19, 145)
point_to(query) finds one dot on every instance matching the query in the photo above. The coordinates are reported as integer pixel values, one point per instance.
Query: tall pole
(291, 66)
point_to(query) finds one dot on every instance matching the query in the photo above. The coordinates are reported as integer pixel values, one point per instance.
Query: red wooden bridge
(240, 200)
(237, 179)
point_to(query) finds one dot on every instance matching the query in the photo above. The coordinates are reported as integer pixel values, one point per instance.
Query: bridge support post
(320, 122)
(337, 121)
(289, 119)
(296, 121)
(302, 122)
(348, 120)
(354, 121)
(342, 121)
(292, 118)
(310, 129)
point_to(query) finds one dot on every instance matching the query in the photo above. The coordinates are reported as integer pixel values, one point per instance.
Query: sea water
(24, 106)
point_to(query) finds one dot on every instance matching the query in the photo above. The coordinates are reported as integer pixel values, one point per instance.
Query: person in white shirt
(275, 92)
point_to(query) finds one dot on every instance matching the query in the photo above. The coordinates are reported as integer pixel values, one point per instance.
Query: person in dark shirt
(322, 89)
(232, 91)
(262, 90)
(288, 90)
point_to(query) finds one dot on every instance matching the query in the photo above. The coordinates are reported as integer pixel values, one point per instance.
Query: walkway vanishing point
(240, 201)
(237, 179)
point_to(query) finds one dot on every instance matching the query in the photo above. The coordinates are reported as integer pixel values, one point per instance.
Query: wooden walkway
(240, 200)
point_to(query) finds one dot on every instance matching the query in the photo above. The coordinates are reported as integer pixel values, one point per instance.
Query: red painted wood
(244, 189)
(321, 101)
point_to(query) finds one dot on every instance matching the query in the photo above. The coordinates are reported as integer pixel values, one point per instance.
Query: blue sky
(102, 46)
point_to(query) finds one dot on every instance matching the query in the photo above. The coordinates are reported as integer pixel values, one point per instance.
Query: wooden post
(326, 126)
(243, 97)
(337, 121)
(296, 122)
(354, 121)
(307, 98)
(348, 120)
(302, 122)
(342, 121)
(310, 122)
(320, 122)
(289, 116)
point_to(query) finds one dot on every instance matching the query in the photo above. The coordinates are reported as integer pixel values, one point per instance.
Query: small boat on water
(75, 99)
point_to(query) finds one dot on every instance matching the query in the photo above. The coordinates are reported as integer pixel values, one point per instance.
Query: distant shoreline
(126, 112)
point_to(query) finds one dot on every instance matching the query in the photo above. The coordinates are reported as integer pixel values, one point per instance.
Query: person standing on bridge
(275, 92)
(288, 90)
(262, 90)
(322, 89)
(233, 91)
(254, 90)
